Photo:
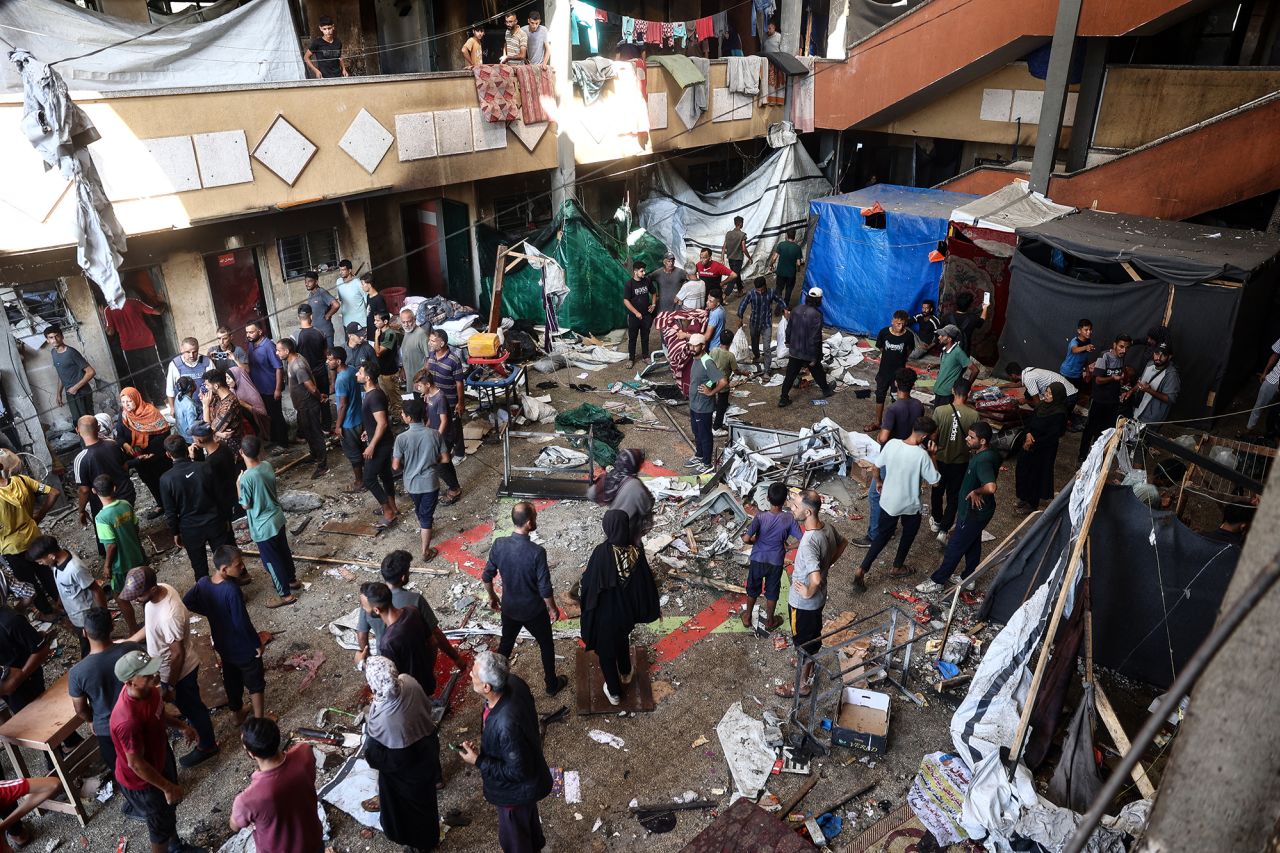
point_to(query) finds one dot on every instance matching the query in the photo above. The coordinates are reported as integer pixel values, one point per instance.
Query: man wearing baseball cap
(359, 350)
(706, 380)
(954, 364)
(168, 635)
(804, 346)
(144, 763)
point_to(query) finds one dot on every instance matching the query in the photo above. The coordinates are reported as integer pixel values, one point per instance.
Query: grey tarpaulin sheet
(772, 199)
(255, 43)
(1133, 584)
(1176, 252)
(1203, 318)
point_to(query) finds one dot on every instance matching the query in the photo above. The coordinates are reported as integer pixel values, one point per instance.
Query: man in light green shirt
(954, 364)
(258, 496)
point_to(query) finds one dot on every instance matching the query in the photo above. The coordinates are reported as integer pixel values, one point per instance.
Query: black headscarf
(618, 591)
(626, 466)
(1057, 406)
(1049, 420)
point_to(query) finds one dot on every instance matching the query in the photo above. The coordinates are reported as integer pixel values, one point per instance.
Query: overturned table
(44, 726)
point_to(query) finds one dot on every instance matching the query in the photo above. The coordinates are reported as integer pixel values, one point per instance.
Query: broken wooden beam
(703, 581)
(1108, 716)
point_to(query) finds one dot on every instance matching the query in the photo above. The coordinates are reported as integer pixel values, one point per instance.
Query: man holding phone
(966, 319)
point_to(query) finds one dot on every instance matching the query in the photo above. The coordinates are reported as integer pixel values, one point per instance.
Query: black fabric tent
(1133, 584)
(1213, 288)
(867, 16)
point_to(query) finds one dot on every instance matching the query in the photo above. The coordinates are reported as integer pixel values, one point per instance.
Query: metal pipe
(1182, 685)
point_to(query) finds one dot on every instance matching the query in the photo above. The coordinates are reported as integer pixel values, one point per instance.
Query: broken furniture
(799, 455)
(488, 381)
(545, 483)
(876, 646)
(44, 726)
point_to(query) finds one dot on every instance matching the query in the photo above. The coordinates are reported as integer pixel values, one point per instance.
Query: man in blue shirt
(767, 535)
(527, 598)
(267, 374)
(761, 302)
(217, 598)
(715, 316)
(348, 395)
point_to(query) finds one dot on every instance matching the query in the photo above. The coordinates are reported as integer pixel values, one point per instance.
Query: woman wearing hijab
(403, 745)
(141, 432)
(250, 400)
(618, 593)
(1034, 477)
(623, 489)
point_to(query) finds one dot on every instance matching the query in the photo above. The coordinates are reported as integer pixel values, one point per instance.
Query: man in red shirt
(145, 767)
(35, 792)
(128, 325)
(713, 274)
(280, 802)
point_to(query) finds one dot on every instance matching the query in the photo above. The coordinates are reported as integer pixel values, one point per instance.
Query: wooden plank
(349, 528)
(1168, 306)
(334, 561)
(1133, 274)
(46, 722)
(1108, 716)
(637, 697)
(495, 298)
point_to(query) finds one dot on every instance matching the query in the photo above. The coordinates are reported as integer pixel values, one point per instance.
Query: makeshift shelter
(773, 199)
(869, 252)
(596, 265)
(1212, 287)
(980, 244)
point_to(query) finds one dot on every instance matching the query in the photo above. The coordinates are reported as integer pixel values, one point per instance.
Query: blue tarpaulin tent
(867, 273)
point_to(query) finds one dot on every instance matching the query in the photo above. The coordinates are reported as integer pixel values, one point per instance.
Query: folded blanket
(680, 67)
(591, 74)
(496, 88)
(537, 82)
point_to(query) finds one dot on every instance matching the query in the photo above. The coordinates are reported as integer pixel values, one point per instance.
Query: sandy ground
(658, 762)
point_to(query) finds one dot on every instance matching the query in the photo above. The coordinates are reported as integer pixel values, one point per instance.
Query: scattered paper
(606, 739)
(572, 786)
(583, 375)
(701, 741)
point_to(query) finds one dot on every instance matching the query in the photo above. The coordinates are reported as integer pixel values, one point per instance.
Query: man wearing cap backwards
(1157, 389)
(669, 280)
(144, 763)
(804, 343)
(168, 635)
(954, 364)
(359, 350)
(706, 380)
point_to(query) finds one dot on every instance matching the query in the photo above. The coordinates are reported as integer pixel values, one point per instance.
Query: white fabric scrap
(749, 756)
(556, 456)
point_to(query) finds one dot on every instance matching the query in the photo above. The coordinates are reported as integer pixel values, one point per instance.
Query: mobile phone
(455, 747)
(986, 297)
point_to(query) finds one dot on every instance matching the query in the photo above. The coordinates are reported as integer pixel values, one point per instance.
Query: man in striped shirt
(448, 372)
(761, 302)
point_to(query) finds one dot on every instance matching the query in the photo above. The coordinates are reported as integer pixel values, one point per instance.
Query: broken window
(316, 250)
(32, 307)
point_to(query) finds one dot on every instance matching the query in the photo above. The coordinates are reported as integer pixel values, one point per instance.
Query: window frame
(33, 324)
(310, 262)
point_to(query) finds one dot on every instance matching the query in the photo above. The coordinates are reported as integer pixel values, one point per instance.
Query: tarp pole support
(495, 298)
(1015, 753)
(1088, 613)
(1108, 716)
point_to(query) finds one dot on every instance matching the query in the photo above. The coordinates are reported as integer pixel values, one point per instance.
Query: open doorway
(141, 332)
(437, 236)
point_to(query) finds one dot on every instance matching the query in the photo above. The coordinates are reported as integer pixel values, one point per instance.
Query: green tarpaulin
(597, 264)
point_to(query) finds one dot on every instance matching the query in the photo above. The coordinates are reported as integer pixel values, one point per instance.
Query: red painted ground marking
(681, 640)
(454, 549)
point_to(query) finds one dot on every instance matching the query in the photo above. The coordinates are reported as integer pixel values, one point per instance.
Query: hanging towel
(653, 32)
(704, 28)
(693, 103)
(591, 74)
(761, 8)
(628, 98)
(720, 20)
(802, 98)
(628, 28)
(587, 16)
(679, 30)
(777, 86)
(743, 74)
(642, 80)
(498, 93)
(681, 69)
(537, 84)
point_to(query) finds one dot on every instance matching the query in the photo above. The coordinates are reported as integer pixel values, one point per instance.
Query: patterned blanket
(537, 82)
(497, 91)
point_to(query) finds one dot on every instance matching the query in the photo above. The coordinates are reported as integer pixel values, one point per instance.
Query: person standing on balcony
(351, 295)
(537, 38)
(473, 50)
(515, 48)
(75, 375)
(324, 54)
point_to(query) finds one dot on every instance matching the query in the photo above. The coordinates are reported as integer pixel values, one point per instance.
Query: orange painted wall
(945, 38)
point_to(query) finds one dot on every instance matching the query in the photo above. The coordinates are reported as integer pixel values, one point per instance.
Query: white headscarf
(401, 712)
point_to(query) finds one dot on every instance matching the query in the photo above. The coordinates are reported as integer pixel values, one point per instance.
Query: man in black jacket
(510, 760)
(187, 492)
(804, 345)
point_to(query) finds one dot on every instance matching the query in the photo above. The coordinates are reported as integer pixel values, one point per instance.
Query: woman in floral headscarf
(623, 489)
(403, 745)
(141, 432)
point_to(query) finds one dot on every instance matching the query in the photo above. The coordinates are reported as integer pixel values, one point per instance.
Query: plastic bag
(741, 345)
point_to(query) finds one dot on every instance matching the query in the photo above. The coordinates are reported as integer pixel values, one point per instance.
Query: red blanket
(537, 84)
(496, 89)
(670, 324)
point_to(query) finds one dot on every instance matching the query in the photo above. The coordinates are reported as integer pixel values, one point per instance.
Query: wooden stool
(44, 726)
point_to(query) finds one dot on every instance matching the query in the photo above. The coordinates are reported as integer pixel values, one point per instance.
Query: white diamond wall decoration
(416, 136)
(487, 135)
(453, 132)
(284, 150)
(223, 158)
(366, 141)
(528, 134)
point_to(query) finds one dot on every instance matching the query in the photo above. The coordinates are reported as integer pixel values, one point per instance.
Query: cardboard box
(862, 720)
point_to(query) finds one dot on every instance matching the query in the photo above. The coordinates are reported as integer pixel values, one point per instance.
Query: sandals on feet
(431, 554)
(901, 571)
(788, 691)
(281, 602)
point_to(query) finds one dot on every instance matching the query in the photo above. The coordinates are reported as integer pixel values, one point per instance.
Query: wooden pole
(331, 561)
(291, 464)
(1088, 613)
(1015, 753)
(1108, 716)
(495, 298)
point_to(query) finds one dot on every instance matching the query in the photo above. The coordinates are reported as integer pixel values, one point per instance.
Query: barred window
(316, 250)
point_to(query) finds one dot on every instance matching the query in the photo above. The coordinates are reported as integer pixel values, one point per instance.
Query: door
(144, 368)
(235, 282)
(437, 236)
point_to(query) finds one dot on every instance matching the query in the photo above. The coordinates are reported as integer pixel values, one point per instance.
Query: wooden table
(44, 726)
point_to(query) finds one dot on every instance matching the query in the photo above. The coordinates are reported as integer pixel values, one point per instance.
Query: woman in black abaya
(618, 593)
(1033, 481)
